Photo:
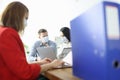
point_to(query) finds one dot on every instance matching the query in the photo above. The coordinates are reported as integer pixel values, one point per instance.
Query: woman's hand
(41, 62)
(45, 61)
(54, 64)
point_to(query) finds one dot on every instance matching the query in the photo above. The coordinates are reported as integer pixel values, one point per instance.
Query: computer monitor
(95, 37)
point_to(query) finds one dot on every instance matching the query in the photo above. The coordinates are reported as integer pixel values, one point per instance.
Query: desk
(60, 74)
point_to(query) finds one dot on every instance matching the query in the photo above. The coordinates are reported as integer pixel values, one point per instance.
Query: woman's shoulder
(6, 30)
(65, 45)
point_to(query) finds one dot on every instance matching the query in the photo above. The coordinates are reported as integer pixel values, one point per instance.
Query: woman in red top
(13, 63)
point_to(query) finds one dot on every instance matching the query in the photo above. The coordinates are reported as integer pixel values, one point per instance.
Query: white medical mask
(25, 22)
(45, 39)
(64, 39)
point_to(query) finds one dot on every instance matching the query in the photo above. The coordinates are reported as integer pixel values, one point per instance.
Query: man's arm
(33, 52)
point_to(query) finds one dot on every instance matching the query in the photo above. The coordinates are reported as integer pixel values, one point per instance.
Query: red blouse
(13, 63)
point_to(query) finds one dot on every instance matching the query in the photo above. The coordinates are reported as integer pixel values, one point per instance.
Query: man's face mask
(45, 39)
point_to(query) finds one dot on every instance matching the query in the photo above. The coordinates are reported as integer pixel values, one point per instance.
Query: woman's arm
(41, 62)
(13, 55)
(54, 64)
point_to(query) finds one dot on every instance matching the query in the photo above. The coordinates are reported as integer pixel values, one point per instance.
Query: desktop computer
(95, 37)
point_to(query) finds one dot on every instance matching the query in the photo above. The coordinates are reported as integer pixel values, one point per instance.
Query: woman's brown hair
(13, 16)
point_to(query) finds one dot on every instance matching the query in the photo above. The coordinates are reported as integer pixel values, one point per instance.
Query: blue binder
(95, 37)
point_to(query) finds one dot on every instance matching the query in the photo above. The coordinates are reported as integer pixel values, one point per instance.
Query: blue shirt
(33, 52)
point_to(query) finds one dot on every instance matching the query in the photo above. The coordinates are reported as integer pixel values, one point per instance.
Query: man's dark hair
(42, 31)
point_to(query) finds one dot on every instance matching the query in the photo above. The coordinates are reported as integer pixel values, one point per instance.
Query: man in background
(42, 42)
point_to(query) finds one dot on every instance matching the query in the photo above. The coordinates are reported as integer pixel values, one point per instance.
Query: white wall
(51, 14)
